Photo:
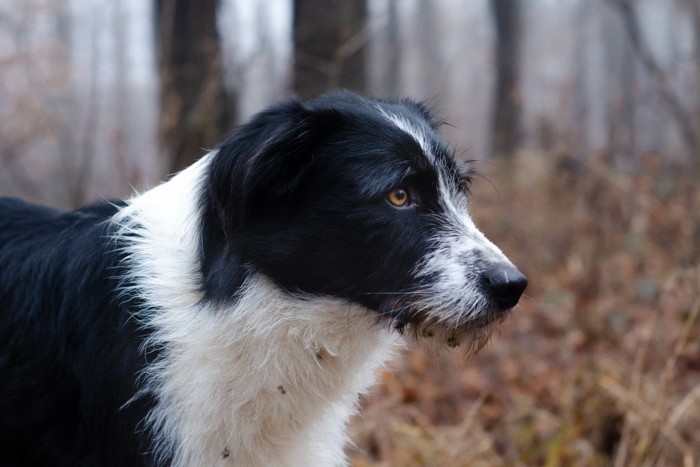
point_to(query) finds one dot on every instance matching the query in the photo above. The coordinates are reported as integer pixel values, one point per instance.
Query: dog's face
(357, 199)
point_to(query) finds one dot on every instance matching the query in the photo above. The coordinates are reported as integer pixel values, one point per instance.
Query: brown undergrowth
(599, 366)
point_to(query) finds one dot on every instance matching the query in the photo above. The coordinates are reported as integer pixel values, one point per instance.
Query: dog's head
(358, 199)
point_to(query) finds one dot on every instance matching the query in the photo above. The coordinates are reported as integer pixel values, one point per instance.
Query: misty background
(582, 115)
(100, 97)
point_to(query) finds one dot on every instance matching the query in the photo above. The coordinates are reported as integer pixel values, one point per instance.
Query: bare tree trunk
(195, 107)
(507, 103)
(394, 62)
(87, 146)
(329, 46)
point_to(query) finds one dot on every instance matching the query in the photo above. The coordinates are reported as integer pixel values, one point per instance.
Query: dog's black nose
(504, 284)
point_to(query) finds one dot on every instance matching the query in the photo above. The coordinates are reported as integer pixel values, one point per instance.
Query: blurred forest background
(582, 115)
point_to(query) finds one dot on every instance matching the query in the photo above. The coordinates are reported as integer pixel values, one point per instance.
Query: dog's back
(59, 355)
(18, 217)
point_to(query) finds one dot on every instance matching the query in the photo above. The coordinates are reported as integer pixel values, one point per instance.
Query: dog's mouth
(468, 331)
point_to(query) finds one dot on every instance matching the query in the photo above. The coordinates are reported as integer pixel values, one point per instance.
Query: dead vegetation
(600, 366)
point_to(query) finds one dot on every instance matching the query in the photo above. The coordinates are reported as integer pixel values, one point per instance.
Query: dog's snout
(504, 284)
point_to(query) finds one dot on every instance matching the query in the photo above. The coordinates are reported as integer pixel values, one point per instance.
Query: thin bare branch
(680, 114)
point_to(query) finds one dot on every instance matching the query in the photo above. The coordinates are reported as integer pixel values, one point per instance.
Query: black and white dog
(232, 315)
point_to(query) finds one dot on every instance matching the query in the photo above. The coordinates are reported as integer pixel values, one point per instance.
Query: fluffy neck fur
(270, 380)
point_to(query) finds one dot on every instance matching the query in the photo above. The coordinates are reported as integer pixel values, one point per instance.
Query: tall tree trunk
(507, 103)
(384, 65)
(195, 107)
(329, 46)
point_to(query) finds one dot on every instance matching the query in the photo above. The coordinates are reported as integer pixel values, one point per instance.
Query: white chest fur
(271, 382)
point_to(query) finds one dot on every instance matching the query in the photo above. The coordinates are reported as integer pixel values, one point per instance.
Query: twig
(648, 413)
(680, 343)
(346, 50)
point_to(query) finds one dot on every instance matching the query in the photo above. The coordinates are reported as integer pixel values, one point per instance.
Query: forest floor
(600, 363)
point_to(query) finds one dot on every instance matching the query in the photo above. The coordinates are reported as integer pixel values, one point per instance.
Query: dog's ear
(262, 164)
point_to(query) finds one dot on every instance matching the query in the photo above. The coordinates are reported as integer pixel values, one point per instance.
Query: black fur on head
(299, 194)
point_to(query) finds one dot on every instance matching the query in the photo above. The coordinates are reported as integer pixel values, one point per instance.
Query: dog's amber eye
(398, 197)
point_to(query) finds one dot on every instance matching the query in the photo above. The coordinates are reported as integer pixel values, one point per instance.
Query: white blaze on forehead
(410, 129)
(458, 222)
